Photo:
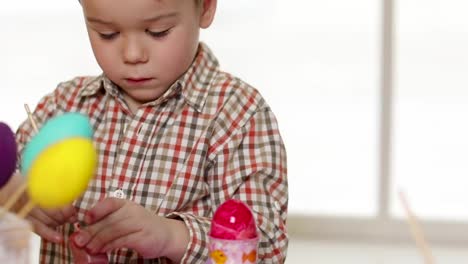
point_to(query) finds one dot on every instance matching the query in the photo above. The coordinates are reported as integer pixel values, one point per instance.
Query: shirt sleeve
(250, 167)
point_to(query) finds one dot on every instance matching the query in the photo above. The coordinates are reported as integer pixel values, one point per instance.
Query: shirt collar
(194, 83)
(91, 86)
(198, 79)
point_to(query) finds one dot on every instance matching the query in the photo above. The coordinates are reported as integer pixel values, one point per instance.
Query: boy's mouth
(138, 80)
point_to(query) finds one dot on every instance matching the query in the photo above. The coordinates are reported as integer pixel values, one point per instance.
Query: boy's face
(144, 46)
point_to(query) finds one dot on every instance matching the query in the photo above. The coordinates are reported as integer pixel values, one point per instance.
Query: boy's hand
(45, 221)
(117, 223)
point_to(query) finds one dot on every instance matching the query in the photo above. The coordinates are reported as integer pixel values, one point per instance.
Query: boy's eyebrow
(97, 20)
(151, 19)
(160, 17)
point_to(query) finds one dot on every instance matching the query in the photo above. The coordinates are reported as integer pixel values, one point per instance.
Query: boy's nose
(134, 52)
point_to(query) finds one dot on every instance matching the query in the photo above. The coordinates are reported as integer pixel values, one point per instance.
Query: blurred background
(371, 97)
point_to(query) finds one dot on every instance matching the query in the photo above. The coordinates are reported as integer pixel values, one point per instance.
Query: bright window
(318, 67)
(431, 107)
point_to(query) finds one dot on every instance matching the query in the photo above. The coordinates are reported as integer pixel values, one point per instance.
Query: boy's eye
(158, 34)
(108, 36)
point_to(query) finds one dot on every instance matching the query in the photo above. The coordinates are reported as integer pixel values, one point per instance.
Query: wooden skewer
(30, 204)
(12, 200)
(31, 118)
(416, 231)
(22, 188)
(26, 209)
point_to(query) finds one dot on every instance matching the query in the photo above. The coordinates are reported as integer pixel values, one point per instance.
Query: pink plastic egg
(233, 220)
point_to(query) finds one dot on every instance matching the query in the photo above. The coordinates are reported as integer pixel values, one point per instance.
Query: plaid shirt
(209, 138)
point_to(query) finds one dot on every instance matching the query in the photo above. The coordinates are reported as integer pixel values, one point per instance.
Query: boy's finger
(81, 238)
(108, 233)
(69, 214)
(46, 232)
(92, 230)
(41, 216)
(123, 242)
(55, 214)
(103, 209)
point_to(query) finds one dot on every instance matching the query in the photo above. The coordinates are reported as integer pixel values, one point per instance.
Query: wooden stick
(26, 209)
(416, 231)
(31, 118)
(22, 188)
(30, 205)
(13, 199)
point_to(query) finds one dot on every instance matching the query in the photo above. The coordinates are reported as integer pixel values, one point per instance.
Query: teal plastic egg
(64, 126)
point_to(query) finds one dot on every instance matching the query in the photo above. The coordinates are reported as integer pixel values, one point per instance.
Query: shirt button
(277, 206)
(118, 194)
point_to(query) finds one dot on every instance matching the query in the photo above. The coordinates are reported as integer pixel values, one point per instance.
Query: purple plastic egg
(8, 153)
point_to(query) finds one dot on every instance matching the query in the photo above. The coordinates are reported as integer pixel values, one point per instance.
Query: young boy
(176, 137)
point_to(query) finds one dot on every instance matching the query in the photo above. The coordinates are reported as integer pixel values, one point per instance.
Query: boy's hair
(198, 2)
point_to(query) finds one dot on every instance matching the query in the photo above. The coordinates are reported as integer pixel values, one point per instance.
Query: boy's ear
(208, 10)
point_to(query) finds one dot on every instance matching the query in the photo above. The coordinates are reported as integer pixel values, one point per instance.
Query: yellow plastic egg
(61, 173)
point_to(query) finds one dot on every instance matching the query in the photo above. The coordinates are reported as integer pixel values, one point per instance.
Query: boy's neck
(132, 104)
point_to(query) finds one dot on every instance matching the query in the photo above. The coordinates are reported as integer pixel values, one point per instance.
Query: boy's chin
(142, 96)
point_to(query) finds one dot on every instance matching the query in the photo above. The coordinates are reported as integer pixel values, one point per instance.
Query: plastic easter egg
(67, 125)
(61, 173)
(8, 154)
(233, 220)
